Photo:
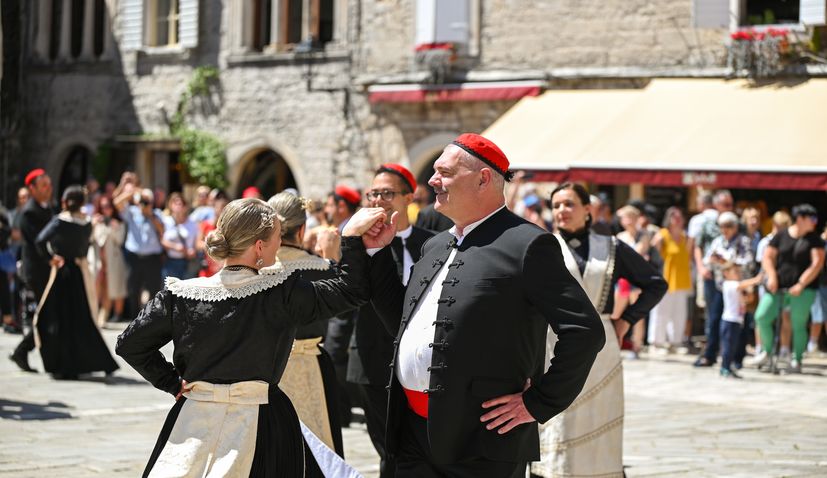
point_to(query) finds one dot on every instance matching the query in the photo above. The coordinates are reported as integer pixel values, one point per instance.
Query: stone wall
(327, 131)
(542, 34)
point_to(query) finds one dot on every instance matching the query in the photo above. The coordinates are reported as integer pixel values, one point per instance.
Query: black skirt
(70, 342)
(280, 447)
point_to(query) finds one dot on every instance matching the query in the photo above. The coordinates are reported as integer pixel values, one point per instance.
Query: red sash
(417, 401)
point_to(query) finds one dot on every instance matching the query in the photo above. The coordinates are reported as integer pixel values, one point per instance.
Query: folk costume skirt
(309, 380)
(245, 429)
(587, 438)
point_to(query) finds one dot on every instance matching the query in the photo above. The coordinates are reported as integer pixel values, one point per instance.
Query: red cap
(400, 171)
(33, 175)
(349, 195)
(486, 151)
(251, 192)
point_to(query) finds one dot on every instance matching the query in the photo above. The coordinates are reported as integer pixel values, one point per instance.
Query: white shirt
(407, 260)
(414, 355)
(732, 302)
(696, 222)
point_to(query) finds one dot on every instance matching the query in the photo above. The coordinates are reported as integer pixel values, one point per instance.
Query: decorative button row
(457, 263)
(452, 243)
(439, 388)
(444, 322)
(438, 262)
(451, 282)
(424, 281)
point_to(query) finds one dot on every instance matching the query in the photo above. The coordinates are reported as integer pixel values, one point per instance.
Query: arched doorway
(267, 171)
(75, 168)
(425, 174)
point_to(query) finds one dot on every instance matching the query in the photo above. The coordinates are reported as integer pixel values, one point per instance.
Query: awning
(674, 133)
(472, 91)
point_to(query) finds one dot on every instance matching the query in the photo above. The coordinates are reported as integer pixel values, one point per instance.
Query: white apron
(587, 438)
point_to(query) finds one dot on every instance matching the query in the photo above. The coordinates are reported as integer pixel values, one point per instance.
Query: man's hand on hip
(510, 412)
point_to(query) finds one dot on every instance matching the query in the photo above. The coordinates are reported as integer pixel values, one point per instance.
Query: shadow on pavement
(14, 410)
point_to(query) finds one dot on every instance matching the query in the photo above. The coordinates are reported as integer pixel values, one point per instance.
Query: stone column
(305, 20)
(64, 51)
(44, 28)
(87, 49)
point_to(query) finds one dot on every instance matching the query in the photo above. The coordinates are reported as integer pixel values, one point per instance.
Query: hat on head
(400, 171)
(486, 151)
(33, 175)
(348, 195)
(251, 192)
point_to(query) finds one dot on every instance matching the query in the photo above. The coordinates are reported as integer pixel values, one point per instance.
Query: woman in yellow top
(667, 321)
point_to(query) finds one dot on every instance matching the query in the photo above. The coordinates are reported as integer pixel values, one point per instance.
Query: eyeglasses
(145, 202)
(385, 194)
(814, 219)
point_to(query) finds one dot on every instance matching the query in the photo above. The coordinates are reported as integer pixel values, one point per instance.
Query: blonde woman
(233, 333)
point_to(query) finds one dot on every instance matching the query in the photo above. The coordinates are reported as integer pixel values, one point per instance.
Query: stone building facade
(299, 99)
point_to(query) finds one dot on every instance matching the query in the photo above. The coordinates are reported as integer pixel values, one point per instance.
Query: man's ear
(485, 177)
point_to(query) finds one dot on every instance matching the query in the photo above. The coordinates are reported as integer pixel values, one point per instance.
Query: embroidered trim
(610, 269)
(66, 216)
(228, 284)
(617, 370)
(309, 264)
(571, 443)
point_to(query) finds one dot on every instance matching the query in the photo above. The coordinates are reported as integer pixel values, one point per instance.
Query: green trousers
(768, 310)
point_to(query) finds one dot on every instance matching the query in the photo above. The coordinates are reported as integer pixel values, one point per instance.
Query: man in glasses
(144, 229)
(371, 348)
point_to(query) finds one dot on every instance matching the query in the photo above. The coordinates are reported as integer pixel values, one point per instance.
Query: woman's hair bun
(217, 246)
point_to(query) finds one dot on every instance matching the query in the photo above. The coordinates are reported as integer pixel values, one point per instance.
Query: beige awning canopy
(699, 128)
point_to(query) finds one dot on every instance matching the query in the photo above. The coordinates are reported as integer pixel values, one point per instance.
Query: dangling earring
(259, 262)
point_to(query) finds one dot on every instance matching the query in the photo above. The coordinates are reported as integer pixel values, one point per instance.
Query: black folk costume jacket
(506, 285)
(371, 347)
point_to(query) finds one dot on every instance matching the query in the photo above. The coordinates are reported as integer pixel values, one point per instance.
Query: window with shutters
(158, 24)
(454, 24)
(281, 25)
(70, 30)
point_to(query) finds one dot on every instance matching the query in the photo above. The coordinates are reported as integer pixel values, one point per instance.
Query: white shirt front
(732, 302)
(407, 260)
(414, 354)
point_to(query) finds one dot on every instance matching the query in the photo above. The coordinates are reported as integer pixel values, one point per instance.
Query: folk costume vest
(587, 438)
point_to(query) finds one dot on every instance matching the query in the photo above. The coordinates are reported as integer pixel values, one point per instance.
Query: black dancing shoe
(703, 362)
(22, 361)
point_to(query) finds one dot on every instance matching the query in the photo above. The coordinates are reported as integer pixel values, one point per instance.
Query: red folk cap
(349, 195)
(400, 171)
(486, 151)
(33, 175)
(251, 192)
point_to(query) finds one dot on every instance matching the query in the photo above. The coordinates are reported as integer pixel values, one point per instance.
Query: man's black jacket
(506, 285)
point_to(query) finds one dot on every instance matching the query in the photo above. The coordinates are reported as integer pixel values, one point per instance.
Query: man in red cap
(371, 348)
(35, 271)
(469, 380)
(340, 206)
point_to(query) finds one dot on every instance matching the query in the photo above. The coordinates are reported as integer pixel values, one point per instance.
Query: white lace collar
(293, 258)
(69, 217)
(227, 284)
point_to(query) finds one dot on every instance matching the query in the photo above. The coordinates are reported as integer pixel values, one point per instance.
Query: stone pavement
(680, 421)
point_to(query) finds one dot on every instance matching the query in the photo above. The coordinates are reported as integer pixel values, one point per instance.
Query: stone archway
(76, 167)
(266, 170)
(425, 152)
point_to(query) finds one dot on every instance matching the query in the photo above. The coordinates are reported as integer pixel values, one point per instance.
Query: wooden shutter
(710, 13)
(813, 12)
(188, 23)
(132, 24)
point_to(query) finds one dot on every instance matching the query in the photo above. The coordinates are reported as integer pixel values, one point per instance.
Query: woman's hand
(363, 220)
(183, 389)
(57, 261)
(328, 244)
(772, 285)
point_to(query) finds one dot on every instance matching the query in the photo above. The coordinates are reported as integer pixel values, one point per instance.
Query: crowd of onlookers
(743, 269)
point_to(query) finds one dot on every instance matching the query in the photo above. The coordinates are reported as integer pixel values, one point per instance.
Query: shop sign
(699, 179)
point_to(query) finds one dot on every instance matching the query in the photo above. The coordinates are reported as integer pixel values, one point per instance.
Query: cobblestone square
(680, 421)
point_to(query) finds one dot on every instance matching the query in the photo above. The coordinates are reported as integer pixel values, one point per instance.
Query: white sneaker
(761, 359)
(795, 366)
(812, 347)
